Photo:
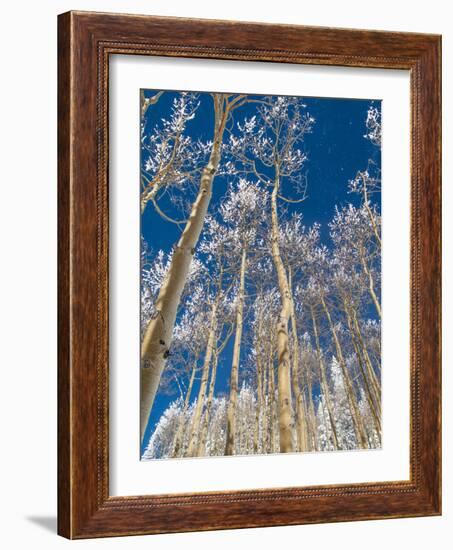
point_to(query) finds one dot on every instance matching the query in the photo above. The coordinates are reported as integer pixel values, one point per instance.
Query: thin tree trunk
(177, 445)
(324, 419)
(232, 404)
(157, 338)
(207, 416)
(261, 411)
(371, 285)
(370, 213)
(374, 379)
(271, 413)
(311, 412)
(371, 397)
(273, 409)
(285, 411)
(301, 431)
(364, 360)
(324, 382)
(195, 427)
(264, 408)
(359, 428)
(205, 423)
(259, 390)
(301, 419)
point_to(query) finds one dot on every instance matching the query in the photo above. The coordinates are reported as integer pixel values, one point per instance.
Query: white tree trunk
(370, 391)
(232, 404)
(273, 420)
(301, 418)
(370, 213)
(258, 433)
(359, 428)
(158, 335)
(371, 285)
(285, 412)
(179, 436)
(374, 379)
(324, 382)
(196, 421)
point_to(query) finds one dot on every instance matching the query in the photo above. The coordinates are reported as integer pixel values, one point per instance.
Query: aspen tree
(324, 382)
(207, 415)
(157, 338)
(355, 411)
(231, 418)
(179, 432)
(242, 215)
(195, 425)
(301, 422)
(275, 142)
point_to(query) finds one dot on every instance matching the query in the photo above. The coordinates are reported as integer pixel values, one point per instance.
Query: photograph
(223, 200)
(260, 274)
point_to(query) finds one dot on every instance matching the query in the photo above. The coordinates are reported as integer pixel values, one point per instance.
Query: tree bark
(359, 428)
(324, 382)
(285, 411)
(264, 408)
(205, 422)
(374, 379)
(371, 290)
(272, 409)
(311, 413)
(157, 338)
(260, 436)
(177, 444)
(195, 427)
(370, 213)
(301, 418)
(234, 378)
(372, 398)
(207, 416)
(259, 391)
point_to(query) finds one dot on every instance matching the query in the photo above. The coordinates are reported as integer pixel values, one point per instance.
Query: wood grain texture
(85, 42)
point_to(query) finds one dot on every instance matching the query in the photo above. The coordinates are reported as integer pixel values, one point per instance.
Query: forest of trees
(284, 317)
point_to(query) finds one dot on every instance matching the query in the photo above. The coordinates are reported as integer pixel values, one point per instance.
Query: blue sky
(336, 150)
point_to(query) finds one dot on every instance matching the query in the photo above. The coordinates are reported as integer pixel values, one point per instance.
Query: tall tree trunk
(207, 416)
(179, 436)
(259, 392)
(195, 427)
(301, 419)
(324, 382)
(372, 398)
(357, 421)
(311, 412)
(234, 378)
(272, 408)
(260, 413)
(205, 422)
(371, 290)
(362, 354)
(285, 412)
(157, 338)
(263, 412)
(368, 209)
(374, 379)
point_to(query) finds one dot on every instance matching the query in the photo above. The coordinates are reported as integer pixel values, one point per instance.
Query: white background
(28, 274)
(130, 476)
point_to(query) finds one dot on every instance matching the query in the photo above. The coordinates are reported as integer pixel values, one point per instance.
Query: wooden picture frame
(85, 42)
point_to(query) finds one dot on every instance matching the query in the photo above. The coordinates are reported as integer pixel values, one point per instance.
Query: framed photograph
(249, 275)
